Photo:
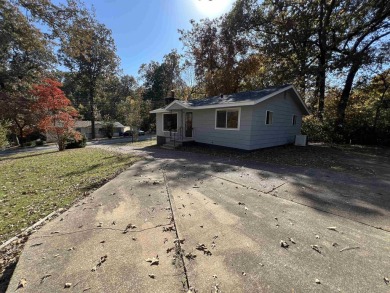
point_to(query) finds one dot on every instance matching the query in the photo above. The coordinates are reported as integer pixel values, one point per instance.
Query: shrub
(320, 131)
(76, 140)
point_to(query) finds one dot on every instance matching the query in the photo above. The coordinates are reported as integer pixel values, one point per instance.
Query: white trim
(231, 110)
(272, 118)
(177, 121)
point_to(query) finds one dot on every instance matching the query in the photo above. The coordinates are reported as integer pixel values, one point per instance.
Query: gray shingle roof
(234, 98)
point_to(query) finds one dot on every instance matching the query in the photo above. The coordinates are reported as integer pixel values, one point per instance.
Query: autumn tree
(158, 79)
(89, 50)
(55, 112)
(133, 111)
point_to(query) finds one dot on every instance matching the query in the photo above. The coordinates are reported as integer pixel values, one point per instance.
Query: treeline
(335, 52)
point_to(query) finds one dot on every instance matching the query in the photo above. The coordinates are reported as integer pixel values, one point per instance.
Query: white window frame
(177, 122)
(292, 119)
(227, 110)
(272, 120)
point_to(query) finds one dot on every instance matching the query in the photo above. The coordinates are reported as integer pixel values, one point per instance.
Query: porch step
(171, 145)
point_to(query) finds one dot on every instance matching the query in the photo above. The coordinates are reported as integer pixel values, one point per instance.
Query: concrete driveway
(210, 225)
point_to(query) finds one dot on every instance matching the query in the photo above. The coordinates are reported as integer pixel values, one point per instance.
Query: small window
(294, 120)
(228, 119)
(170, 122)
(268, 119)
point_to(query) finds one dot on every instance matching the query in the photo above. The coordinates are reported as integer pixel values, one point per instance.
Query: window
(170, 122)
(227, 119)
(268, 118)
(294, 119)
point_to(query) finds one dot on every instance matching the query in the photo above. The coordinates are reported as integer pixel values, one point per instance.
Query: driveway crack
(178, 244)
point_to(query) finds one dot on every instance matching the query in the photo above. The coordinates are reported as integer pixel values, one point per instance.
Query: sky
(146, 30)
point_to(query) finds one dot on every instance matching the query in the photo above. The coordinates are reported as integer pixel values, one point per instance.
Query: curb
(28, 230)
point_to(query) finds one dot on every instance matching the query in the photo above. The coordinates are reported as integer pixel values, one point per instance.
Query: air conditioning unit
(301, 140)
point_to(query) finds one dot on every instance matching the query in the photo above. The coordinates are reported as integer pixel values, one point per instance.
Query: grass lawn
(32, 185)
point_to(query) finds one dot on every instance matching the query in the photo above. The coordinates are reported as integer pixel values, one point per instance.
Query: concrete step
(168, 147)
(171, 145)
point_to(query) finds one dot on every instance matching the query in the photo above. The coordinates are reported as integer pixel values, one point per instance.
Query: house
(85, 128)
(247, 120)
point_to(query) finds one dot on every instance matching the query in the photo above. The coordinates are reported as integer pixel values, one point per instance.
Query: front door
(188, 124)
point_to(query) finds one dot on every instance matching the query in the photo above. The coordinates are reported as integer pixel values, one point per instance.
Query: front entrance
(188, 132)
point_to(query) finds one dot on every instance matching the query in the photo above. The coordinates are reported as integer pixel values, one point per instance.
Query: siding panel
(281, 131)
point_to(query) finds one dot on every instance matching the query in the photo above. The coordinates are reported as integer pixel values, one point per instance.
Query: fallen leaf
(318, 281)
(68, 285)
(332, 228)
(22, 283)
(349, 248)
(316, 248)
(284, 244)
(292, 240)
(153, 261)
(129, 227)
(190, 256)
(44, 277)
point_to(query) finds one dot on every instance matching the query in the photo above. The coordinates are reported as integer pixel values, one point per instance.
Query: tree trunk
(343, 103)
(322, 35)
(92, 109)
(378, 109)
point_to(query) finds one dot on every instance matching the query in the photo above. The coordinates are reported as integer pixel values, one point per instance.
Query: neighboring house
(84, 127)
(246, 120)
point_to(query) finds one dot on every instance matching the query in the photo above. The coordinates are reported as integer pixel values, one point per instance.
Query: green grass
(32, 185)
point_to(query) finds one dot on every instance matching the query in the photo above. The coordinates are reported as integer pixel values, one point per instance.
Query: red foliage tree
(55, 112)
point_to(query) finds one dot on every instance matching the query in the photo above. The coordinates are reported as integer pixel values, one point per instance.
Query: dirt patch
(361, 160)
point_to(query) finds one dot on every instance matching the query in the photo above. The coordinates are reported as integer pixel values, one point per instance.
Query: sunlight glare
(213, 8)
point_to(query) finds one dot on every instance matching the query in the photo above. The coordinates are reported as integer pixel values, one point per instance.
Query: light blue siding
(253, 133)
(281, 131)
(205, 132)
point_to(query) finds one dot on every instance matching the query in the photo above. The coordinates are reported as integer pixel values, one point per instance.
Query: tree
(159, 79)
(25, 54)
(55, 112)
(363, 41)
(89, 50)
(133, 108)
(18, 110)
(3, 133)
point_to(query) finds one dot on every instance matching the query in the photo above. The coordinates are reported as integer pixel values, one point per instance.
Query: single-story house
(247, 120)
(84, 127)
